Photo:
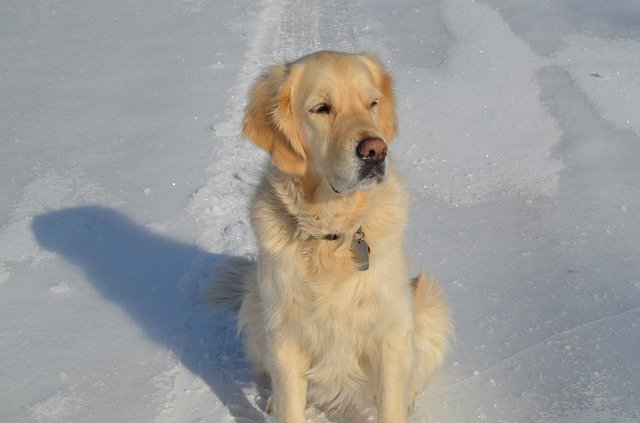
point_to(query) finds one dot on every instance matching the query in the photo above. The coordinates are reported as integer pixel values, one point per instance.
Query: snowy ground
(123, 179)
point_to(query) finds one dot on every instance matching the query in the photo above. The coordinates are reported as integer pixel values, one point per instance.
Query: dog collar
(359, 248)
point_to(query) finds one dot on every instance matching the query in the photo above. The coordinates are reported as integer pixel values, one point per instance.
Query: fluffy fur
(322, 329)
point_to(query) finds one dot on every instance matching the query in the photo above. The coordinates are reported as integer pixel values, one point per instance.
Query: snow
(124, 179)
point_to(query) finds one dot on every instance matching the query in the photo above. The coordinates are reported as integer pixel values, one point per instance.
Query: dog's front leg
(288, 368)
(395, 366)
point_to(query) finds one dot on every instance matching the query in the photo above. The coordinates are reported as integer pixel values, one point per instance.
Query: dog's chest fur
(340, 318)
(318, 296)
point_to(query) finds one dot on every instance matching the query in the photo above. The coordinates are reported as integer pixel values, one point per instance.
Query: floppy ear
(268, 119)
(387, 104)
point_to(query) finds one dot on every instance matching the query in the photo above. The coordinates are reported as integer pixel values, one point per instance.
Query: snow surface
(124, 178)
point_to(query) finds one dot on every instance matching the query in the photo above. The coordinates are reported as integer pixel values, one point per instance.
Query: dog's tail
(434, 329)
(231, 282)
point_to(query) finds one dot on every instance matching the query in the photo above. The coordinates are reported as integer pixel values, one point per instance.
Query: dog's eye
(373, 104)
(322, 108)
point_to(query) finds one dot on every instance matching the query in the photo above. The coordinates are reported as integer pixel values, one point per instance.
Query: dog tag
(360, 250)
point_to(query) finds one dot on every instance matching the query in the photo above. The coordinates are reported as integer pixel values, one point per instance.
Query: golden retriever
(327, 308)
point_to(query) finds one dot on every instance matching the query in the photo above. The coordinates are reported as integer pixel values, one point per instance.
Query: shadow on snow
(158, 282)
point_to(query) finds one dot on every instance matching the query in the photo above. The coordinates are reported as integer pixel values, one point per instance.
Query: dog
(327, 308)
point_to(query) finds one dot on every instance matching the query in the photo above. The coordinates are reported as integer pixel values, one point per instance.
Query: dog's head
(327, 115)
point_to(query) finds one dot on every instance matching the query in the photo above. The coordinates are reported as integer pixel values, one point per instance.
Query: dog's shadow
(157, 281)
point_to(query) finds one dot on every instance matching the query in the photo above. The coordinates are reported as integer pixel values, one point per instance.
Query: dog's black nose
(373, 149)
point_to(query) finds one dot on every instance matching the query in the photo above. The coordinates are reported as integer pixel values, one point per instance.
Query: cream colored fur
(324, 331)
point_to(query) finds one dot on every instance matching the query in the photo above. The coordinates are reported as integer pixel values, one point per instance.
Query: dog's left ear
(388, 117)
(268, 120)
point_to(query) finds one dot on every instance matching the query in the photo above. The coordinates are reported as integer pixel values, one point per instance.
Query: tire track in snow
(311, 26)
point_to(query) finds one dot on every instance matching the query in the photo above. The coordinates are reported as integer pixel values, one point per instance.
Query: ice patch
(608, 72)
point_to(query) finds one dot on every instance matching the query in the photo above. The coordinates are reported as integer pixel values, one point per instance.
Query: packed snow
(124, 179)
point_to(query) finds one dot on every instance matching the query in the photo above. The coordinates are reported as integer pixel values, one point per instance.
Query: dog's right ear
(268, 119)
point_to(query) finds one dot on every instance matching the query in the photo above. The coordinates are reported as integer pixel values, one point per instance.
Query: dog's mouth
(369, 174)
(372, 170)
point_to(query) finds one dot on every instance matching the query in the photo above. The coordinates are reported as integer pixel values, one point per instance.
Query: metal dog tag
(360, 250)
